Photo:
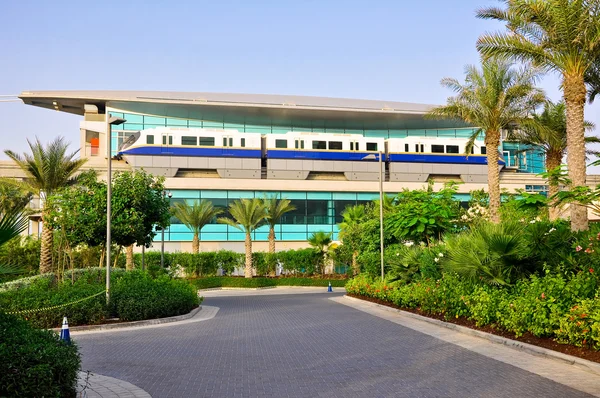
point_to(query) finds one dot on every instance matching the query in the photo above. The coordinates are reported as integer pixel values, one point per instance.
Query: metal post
(381, 209)
(111, 121)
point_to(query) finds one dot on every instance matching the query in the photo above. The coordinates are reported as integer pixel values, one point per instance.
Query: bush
(34, 362)
(137, 296)
(241, 282)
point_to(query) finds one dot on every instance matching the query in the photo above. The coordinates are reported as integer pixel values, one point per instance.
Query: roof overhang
(247, 108)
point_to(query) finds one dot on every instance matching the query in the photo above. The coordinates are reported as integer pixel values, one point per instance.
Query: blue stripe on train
(322, 155)
(193, 151)
(431, 158)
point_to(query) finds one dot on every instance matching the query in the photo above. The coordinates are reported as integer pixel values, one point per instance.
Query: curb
(529, 348)
(133, 324)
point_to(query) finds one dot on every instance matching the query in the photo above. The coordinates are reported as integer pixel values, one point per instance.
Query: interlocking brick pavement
(302, 346)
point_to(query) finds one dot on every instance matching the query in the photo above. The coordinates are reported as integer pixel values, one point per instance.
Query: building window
(280, 143)
(189, 140)
(207, 141)
(371, 146)
(335, 145)
(243, 142)
(437, 149)
(483, 150)
(451, 148)
(319, 145)
(150, 139)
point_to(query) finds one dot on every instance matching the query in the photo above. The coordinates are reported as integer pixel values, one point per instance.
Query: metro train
(295, 155)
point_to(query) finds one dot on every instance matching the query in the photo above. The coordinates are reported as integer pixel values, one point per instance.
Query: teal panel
(258, 129)
(335, 131)
(285, 228)
(293, 236)
(415, 133)
(318, 195)
(213, 194)
(262, 229)
(234, 126)
(261, 236)
(241, 194)
(214, 228)
(175, 228)
(377, 133)
(367, 196)
(213, 237)
(133, 126)
(180, 236)
(187, 193)
(160, 121)
(133, 118)
(213, 125)
(318, 227)
(293, 195)
(177, 122)
(398, 133)
(236, 236)
(350, 131)
(195, 123)
(344, 196)
(281, 130)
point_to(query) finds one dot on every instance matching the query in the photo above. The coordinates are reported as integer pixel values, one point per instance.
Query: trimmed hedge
(549, 306)
(241, 282)
(34, 362)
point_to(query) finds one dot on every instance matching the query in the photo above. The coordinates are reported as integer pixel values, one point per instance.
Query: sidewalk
(98, 386)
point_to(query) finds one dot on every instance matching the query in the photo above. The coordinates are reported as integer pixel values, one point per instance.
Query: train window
(416, 147)
(150, 139)
(301, 144)
(230, 141)
(405, 147)
(472, 150)
(437, 149)
(451, 148)
(243, 142)
(280, 143)
(352, 146)
(371, 146)
(224, 141)
(357, 147)
(335, 145)
(207, 141)
(483, 150)
(319, 145)
(189, 140)
(422, 148)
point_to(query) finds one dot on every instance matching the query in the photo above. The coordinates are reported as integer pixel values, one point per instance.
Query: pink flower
(578, 248)
(543, 296)
(591, 270)
(589, 250)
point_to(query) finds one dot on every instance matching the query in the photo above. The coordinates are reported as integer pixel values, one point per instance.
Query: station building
(319, 198)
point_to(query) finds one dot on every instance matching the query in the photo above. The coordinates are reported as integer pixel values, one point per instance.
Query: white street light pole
(162, 240)
(111, 121)
(381, 209)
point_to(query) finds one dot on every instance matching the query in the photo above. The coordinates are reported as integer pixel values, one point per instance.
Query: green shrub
(137, 296)
(580, 326)
(34, 362)
(301, 261)
(241, 282)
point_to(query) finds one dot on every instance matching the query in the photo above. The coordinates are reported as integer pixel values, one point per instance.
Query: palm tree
(12, 223)
(248, 214)
(47, 169)
(195, 217)
(353, 216)
(320, 241)
(555, 35)
(275, 210)
(548, 132)
(495, 98)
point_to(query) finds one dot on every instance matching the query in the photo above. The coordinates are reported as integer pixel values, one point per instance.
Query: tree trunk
(355, 267)
(574, 94)
(117, 256)
(102, 252)
(248, 269)
(272, 272)
(553, 160)
(195, 244)
(129, 258)
(46, 248)
(492, 144)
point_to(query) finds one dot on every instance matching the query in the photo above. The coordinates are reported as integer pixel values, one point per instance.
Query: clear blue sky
(386, 50)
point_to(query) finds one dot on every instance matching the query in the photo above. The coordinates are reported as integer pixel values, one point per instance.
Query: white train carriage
(307, 155)
(194, 152)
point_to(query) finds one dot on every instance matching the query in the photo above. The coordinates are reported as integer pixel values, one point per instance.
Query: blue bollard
(329, 289)
(64, 332)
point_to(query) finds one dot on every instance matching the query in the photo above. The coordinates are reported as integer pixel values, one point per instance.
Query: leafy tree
(548, 132)
(495, 98)
(12, 223)
(138, 204)
(47, 169)
(195, 217)
(13, 197)
(560, 36)
(422, 215)
(320, 241)
(353, 216)
(248, 214)
(275, 209)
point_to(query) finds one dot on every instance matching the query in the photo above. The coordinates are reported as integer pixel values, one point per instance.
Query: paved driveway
(301, 346)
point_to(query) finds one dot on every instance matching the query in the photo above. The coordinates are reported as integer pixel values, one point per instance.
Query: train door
(166, 143)
(299, 146)
(227, 145)
(354, 146)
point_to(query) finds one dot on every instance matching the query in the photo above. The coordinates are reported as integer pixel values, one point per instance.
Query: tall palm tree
(195, 217)
(47, 169)
(495, 98)
(275, 210)
(555, 35)
(320, 241)
(353, 216)
(248, 214)
(548, 132)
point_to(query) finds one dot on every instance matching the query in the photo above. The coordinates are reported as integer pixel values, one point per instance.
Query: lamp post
(111, 121)
(381, 210)
(162, 240)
